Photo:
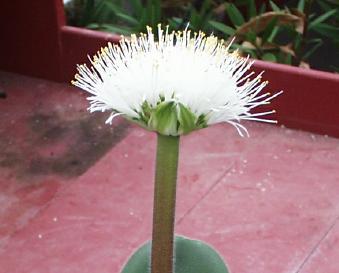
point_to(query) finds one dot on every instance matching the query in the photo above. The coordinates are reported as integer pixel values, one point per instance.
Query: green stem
(164, 204)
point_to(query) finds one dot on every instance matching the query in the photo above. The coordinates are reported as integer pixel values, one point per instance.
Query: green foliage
(198, 16)
(227, 30)
(314, 23)
(191, 256)
(274, 33)
(235, 15)
(123, 17)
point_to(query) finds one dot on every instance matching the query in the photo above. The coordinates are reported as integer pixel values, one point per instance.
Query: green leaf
(274, 33)
(327, 30)
(93, 26)
(269, 29)
(152, 12)
(156, 13)
(322, 18)
(269, 57)
(191, 256)
(136, 6)
(262, 8)
(203, 15)
(175, 22)
(274, 6)
(297, 42)
(86, 17)
(222, 27)
(100, 13)
(251, 51)
(239, 3)
(148, 13)
(252, 10)
(324, 6)
(301, 5)
(317, 43)
(143, 20)
(251, 36)
(127, 18)
(289, 59)
(194, 18)
(112, 7)
(115, 29)
(235, 16)
(205, 7)
(284, 58)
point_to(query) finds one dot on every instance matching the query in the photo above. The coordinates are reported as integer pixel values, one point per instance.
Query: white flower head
(175, 84)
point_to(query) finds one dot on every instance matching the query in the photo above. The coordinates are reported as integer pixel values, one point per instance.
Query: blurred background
(302, 33)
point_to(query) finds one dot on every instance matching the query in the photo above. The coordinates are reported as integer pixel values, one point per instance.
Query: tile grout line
(307, 258)
(205, 195)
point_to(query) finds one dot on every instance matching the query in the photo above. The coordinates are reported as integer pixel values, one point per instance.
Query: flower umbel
(175, 84)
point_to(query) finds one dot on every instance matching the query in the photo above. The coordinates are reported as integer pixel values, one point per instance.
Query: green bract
(170, 118)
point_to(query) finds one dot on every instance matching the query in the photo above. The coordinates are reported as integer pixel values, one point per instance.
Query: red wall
(30, 33)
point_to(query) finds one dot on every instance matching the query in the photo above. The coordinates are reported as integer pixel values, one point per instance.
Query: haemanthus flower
(174, 84)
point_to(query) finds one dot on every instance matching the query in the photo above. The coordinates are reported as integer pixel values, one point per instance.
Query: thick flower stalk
(174, 84)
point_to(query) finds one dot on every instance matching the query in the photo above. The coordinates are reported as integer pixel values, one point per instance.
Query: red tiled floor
(280, 199)
(325, 256)
(76, 195)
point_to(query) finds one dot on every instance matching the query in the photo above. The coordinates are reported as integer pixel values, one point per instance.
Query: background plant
(289, 33)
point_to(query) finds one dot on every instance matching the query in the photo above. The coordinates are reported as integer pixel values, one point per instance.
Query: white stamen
(197, 71)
